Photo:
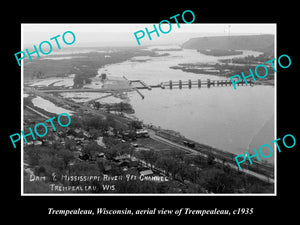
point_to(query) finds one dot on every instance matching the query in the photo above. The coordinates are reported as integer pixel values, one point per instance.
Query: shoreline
(264, 168)
(220, 71)
(173, 135)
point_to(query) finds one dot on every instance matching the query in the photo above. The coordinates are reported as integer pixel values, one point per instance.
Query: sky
(89, 35)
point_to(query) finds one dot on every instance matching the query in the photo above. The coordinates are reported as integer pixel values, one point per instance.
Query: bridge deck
(142, 85)
(196, 83)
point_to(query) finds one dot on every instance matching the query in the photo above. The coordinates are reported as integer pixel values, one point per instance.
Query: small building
(78, 148)
(55, 137)
(99, 141)
(109, 133)
(100, 155)
(77, 131)
(71, 137)
(107, 167)
(30, 143)
(86, 134)
(189, 144)
(60, 133)
(124, 163)
(146, 172)
(122, 157)
(142, 149)
(37, 142)
(103, 76)
(28, 171)
(79, 141)
(135, 145)
(142, 133)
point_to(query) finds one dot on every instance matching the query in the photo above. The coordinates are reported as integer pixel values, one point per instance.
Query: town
(106, 139)
(97, 143)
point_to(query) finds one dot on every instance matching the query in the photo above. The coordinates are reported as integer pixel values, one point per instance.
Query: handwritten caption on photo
(107, 180)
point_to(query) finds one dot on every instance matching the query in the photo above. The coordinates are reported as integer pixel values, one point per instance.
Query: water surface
(231, 120)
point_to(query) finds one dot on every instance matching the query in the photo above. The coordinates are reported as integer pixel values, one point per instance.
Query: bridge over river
(131, 85)
(188, 84)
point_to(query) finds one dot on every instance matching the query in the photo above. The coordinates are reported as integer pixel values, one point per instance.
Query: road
(153, 136)
(120, 120)
(101, 90)
(173, 144)
(37, 112)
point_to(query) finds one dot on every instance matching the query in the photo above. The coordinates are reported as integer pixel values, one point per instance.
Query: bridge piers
(140, 93)
(213, 82)
(189, 84)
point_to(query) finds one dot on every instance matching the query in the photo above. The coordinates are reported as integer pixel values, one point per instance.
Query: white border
(166, 194)
(275, 112)
(22, 116)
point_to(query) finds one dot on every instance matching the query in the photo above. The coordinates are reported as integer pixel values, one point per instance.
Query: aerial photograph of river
(235, 117)
(164, 113)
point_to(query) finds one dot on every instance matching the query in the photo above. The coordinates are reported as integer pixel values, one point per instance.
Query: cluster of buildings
(80, 138)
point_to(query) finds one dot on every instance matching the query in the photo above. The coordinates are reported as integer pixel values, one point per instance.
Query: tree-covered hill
(262, 43)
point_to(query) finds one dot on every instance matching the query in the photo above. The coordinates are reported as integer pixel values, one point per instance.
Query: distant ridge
(263, 43)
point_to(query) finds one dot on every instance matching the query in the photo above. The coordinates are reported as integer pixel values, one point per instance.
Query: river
(232, 120)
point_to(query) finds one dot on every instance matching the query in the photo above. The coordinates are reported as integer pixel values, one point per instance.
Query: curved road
(192, 151)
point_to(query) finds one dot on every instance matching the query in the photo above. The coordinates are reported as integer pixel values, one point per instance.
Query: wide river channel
(232, 120)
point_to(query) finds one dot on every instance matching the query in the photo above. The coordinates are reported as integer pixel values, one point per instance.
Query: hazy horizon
(117, 35)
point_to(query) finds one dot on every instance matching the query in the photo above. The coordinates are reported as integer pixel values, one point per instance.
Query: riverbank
(216, 155)
(224, 70)
(193, 112)
(220, 52)
(187, 172)
(174, 136)
(86, 62)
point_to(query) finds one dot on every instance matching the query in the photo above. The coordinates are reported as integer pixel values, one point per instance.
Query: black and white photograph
(150, 112)
(171, 108)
